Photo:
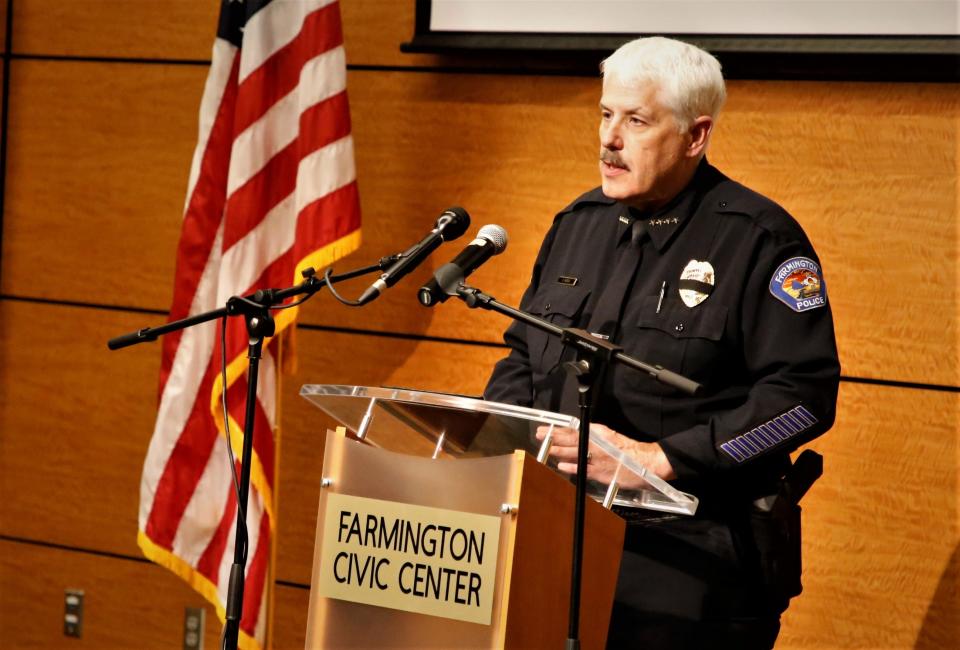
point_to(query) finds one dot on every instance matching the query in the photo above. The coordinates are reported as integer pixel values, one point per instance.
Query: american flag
(272, 190)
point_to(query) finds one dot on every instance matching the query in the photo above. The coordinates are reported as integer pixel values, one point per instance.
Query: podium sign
(428, 560)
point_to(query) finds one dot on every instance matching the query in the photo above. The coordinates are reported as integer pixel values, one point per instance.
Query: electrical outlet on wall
(73, 612)
(193, 620)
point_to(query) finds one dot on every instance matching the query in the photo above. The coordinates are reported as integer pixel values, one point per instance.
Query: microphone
(490, 241)
(450, 225)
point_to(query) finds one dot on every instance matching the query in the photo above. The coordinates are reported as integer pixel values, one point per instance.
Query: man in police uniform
(686, 269)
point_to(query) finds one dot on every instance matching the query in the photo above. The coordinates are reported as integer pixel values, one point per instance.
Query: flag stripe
(188, 461)
(276, 25)
(318, 219)
(183, 470)
(279, 177)
(223, 75)
(280, 125)
(223, 535)
(323, 172)
(201, 221)
(329, 218)
(206, 505)
(186, 466)
(177, 403)
(205, 207)
(255, 513)
(280, 74)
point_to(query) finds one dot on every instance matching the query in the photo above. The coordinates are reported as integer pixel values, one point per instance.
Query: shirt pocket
(561, 306)
(701, 322)
(686, 340)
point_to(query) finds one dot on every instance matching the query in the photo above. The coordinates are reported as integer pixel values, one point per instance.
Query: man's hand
(600, 466)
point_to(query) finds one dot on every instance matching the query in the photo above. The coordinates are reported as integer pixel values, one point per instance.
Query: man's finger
(567, 468)
(565, 437)
(564, 453)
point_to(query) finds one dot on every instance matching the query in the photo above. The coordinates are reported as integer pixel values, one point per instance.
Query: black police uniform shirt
(726, 289)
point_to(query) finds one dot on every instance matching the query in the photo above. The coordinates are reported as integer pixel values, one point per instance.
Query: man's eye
(636, 121)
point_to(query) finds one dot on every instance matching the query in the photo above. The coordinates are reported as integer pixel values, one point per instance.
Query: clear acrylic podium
(438, 425)
(405, 453)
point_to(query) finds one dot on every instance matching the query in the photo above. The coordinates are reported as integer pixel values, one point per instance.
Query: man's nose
(610, 137)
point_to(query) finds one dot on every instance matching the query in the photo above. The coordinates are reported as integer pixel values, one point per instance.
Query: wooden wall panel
(882, 526)
(75, 422)
(96, 187)
(3, 22)
(374, 29)
(291, 605)
(119, 613)
(150, 29)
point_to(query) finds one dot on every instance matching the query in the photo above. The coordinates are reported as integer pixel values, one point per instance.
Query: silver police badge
(696, 282)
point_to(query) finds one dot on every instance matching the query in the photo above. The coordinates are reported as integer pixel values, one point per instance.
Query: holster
(775, 523)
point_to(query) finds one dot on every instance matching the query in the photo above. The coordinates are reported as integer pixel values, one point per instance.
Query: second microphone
(490, 241)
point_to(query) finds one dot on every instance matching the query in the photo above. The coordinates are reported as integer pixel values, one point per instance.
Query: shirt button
(723, 204)
(678, 327)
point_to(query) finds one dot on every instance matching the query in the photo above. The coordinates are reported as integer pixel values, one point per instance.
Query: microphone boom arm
(578, 339)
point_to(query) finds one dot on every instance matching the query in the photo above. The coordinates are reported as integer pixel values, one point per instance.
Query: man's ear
(699, 132)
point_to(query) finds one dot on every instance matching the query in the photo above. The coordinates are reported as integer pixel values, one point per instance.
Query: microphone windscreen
(453, 223)
(496, 235)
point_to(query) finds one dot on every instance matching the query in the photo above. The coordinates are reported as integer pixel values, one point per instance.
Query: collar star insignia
(663, 222)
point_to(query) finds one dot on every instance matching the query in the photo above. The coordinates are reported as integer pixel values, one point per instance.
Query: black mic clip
(472, 297)
(387, 260)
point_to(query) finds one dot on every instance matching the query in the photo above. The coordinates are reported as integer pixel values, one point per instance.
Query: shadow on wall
(941, 625)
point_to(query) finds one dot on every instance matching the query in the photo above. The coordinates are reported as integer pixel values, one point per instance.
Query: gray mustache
(612, 158)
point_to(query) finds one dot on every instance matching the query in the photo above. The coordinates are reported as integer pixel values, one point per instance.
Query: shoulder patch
(798, 283)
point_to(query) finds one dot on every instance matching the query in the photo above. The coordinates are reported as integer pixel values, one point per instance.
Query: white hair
(689, 79)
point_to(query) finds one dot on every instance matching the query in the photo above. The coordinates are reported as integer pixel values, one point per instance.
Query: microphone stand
(593, 357)
(255, 310)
